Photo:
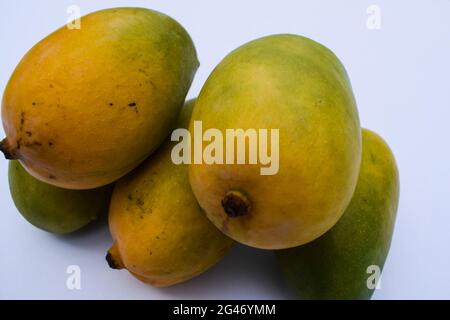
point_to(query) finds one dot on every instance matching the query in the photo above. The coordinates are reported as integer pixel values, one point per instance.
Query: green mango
(54, 209)
(338, 264)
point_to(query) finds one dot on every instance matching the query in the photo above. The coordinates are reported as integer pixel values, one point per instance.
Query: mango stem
(113, 258)
(236, 204)
(8, 152)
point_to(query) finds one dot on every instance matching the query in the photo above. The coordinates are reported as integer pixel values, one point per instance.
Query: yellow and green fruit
(161, 236)
(298, 86)
(86, 106)
(341, 263)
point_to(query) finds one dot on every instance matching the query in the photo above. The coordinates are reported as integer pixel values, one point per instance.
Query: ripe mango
(86, 106)
(298, 86)
(338, 264)
(55, 209)
(160, 233)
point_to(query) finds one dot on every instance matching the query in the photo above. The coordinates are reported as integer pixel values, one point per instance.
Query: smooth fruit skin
(335, 265)
(54, 209)
(84, 107)
(160, 233)
(298, 86)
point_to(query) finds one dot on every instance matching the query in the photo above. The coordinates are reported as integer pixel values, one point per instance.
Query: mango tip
(6, 150)
(112, 263)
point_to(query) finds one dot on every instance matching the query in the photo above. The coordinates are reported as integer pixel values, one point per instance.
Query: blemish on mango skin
(143, 72)
(133, 105)
(33, 144)
(136, 201)
(152, 84)
(29, 133)
(52, 177)
(19, 143)
(22, 120)
(139, 202)
(148, 78)
(372, 157)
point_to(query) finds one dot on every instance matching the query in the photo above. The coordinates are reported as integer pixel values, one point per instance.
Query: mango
(160, 233)
(347, 261)
(299, 87)
(54, 209)
(86, 106)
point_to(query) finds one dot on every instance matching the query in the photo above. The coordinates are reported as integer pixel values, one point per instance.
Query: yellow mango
(86, 106)
(160, 233)
(299, 87)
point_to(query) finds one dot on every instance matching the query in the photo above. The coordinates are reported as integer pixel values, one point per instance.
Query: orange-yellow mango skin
(161, 235)
(298, 86)
(84, 107)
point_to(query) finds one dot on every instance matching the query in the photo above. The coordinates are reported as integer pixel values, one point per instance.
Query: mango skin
(335, 265)
(298, 86)
(84, 107)
(54, 209)
(160, 233)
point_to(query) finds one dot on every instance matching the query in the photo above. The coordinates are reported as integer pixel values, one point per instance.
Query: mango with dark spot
(106, 95)
(297, 86)
(346, 262)
(160, 233)
(54, 209)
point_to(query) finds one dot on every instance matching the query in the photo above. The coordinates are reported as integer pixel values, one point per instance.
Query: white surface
(400, 76)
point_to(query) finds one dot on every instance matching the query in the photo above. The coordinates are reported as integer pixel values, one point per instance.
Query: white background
(400, 76)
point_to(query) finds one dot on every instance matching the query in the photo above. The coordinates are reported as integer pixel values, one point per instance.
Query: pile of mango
(88, 116)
